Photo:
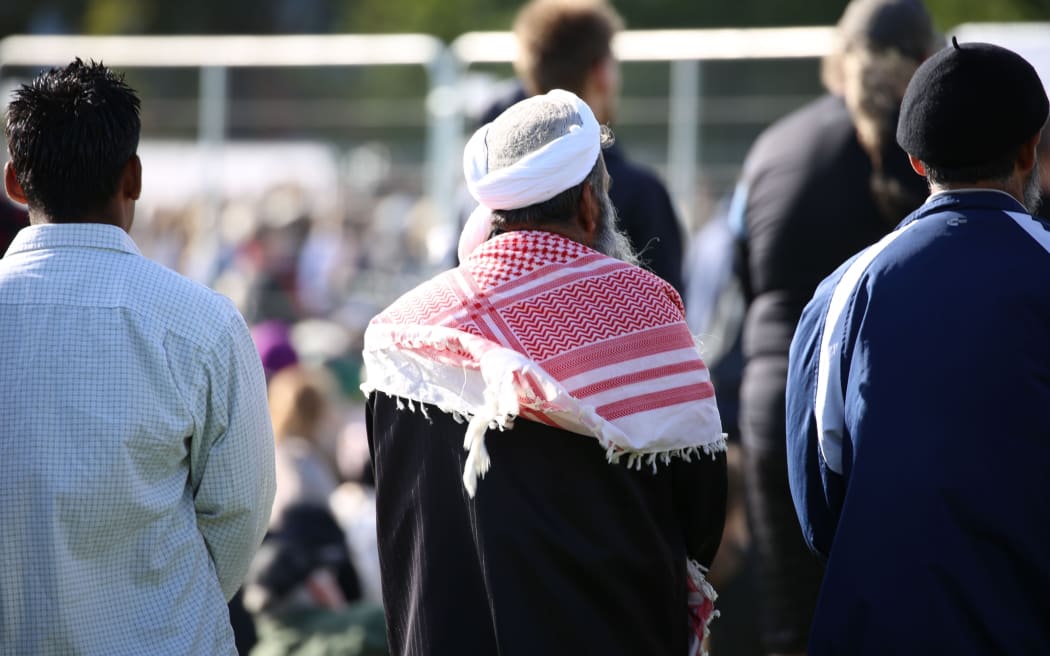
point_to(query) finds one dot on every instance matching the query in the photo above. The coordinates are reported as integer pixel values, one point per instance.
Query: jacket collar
(961, 200)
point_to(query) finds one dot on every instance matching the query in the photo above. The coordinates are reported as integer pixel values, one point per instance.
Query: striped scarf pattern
(538, 326)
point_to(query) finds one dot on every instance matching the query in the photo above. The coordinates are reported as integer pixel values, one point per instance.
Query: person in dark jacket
(816, 187)
(305, 594)
(568, 45)
(918, 436)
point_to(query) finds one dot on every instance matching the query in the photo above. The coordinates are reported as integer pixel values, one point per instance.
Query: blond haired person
(298, 408)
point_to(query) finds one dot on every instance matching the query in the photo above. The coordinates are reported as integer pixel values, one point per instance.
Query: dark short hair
(71, 132)
(561, 40)
(999, 168)
(560, 209)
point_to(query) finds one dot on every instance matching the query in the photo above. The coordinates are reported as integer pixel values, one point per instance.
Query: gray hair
(526, 127)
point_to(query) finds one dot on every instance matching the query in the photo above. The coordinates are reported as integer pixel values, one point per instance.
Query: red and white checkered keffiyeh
(538, 326)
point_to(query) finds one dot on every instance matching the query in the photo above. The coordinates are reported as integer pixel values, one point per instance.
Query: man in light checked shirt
(136, 453)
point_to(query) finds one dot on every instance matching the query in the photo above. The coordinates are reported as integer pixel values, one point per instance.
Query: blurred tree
(444, 18)
(949, 13)
(115, 17)
(740, 13)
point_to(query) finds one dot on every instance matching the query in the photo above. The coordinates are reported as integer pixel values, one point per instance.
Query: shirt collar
(72, 235)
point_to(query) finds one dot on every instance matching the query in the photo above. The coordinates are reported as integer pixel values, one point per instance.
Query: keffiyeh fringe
(701, 602)
(478, 462)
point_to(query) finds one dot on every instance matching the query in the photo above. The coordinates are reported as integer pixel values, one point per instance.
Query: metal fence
(446, 66)
(688, 104)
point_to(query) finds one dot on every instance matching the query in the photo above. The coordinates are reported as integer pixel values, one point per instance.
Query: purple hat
(274, 344)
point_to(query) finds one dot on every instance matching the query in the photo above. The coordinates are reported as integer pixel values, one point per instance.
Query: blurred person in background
(273, 340)
(354, 502)
(270, 266)
(12, 219)
(136, 457)
(817, 186)
(298, 408)
(715, 307)
(354, 506)
(303, 591)
(606, 495)
(322, 446)
(567, 44)
(918, 388)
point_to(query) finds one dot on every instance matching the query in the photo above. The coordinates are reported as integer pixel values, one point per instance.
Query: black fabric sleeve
(700, 489)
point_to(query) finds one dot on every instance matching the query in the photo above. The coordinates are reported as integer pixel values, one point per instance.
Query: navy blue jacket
(918, 416)
(646, 215)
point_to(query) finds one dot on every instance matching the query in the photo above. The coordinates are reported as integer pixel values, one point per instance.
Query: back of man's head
(529, 170)
(560, 41)
(895, 28)
(878, 45)
(525, 128)
(969, 110)
(70, 133)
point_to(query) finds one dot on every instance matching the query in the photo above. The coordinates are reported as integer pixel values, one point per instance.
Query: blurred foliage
(949, 13)
(444, 18)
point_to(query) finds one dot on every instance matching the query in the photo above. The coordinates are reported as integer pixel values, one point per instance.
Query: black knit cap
(970, 104)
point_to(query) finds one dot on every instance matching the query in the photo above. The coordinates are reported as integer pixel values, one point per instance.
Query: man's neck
(1014, 189)
(597, 102)
(39, 218)
(569, 232)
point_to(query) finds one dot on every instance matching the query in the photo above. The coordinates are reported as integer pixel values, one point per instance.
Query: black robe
(560, 552)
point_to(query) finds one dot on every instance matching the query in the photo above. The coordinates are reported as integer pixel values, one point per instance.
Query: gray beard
(1032, 190)
(611, 240)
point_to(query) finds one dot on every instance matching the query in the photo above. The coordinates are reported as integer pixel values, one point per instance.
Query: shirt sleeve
(815, 489)
(700, 489)
(232, 456)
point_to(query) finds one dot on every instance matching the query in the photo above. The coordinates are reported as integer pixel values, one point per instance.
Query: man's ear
(590, 213)
(131, 180)
(1027, 156)
(12, 187)
(605, 75)
(916, 165)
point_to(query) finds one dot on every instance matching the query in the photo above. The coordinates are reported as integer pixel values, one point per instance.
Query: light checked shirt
(136, 453)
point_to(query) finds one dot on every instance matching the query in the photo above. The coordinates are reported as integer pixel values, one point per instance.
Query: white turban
(542, 174)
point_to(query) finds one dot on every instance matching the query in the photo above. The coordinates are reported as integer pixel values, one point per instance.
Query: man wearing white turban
(570, 374)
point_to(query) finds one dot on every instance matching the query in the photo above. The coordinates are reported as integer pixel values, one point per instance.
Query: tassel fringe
(701, 601)
(496, 415)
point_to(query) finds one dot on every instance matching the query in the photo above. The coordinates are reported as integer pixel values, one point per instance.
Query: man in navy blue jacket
(919, 382)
